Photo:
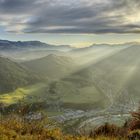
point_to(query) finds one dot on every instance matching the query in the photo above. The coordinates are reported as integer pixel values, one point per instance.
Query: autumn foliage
(15, 127)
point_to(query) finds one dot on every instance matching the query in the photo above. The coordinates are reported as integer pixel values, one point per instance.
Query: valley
(75, 87)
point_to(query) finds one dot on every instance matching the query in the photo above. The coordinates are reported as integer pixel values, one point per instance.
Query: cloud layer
(70, 16)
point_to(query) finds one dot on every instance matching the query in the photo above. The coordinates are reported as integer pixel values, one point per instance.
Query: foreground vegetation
(17, 127)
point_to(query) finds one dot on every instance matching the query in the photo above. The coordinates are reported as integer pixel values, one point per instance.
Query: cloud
(70, 17)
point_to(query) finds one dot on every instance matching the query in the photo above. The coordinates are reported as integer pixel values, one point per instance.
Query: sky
(79, 23)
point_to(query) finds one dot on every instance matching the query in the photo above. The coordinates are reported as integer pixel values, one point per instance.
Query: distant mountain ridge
(13, 45)
(93, 46)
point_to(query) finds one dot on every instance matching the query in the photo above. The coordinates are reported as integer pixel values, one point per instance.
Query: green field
(69, 97)
(24, 94)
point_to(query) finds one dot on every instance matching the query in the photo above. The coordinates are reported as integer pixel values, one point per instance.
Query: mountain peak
(52, 55)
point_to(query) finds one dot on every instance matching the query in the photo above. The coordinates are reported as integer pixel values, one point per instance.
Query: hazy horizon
(83, 45)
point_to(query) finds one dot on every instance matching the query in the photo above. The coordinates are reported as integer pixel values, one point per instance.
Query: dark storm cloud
(16, 6)
(75, 16)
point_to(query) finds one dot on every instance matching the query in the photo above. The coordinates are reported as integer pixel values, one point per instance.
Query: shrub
(109, 130)
(134, 135)
(134, 123)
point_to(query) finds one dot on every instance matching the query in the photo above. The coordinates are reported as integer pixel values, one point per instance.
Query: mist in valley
(89, 84)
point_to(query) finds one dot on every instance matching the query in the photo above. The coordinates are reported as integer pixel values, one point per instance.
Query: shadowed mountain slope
(13, 75)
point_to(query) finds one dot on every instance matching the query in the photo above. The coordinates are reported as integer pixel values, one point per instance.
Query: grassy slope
(13, 75)
(78, 95)
(39, 92)
(24, 94)
(51, 66)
